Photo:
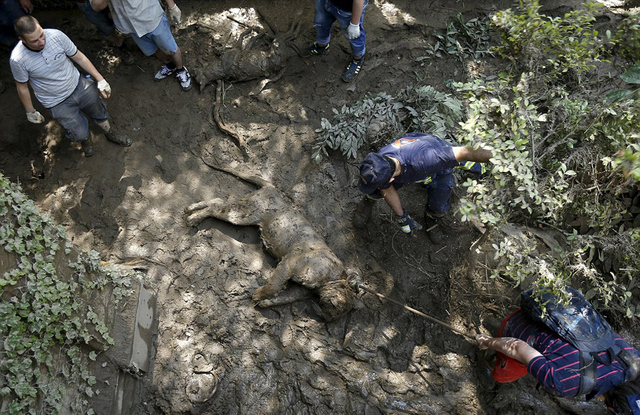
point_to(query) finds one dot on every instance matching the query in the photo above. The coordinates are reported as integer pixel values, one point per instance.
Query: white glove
(104, 88)
(175, 15)
(353, 31)
(35, 117)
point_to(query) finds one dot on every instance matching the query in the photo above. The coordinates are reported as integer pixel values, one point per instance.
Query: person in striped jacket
(525, 346)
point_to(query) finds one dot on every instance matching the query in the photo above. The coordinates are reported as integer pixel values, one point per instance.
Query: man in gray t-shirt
(44, 58)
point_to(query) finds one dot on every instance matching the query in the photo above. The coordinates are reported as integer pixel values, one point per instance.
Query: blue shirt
(420, 156)
(558, 369)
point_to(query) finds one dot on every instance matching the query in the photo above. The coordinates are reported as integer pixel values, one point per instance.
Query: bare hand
(482, 340)
(26, 6)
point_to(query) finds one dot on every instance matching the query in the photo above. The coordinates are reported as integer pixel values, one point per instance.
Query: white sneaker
(163, 73)
(185, 78)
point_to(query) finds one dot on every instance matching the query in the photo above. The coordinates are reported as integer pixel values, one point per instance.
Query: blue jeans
(439, 192)
(10, 11)
(326, 14)
(85, 98)
(100, 19)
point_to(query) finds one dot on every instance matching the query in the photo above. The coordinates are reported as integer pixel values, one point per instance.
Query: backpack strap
(588, 374)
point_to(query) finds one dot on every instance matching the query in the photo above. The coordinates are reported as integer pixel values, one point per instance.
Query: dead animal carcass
(303, 255)
(263, 56)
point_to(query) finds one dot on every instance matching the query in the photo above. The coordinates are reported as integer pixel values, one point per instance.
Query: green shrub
(550, 46)
(40, 310)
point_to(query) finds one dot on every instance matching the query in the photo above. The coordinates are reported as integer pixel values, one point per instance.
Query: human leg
(76, 126)
(100, 19)
(90, 103)
(10, 11)
(438, 203)
(323, 19)
(357, 45)
(169, 53)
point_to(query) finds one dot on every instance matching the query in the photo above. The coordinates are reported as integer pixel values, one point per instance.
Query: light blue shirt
(52, 75)
(136, 16)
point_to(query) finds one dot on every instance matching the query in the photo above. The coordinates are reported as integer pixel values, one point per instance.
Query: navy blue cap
(375, 171)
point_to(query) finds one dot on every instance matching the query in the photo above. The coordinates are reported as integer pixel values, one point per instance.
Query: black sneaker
(316, 49)
(116, 137)
(87, 147)
(353, 68)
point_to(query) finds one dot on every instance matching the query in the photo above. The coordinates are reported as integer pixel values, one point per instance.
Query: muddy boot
(116, 137)
(87, 146)
(126, 56)
(434, 225)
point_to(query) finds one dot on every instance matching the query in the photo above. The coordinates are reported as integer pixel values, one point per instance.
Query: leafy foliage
(41, 310)
(553, 139)
(464, 39)
(378, 120)
(549, 46)
(626, 41)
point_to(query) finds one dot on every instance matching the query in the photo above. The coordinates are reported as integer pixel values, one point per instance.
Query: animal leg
(291, 294)
(197, 212)
(277, 280)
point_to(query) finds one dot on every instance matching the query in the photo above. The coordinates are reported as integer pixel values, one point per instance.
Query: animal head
(336, 299)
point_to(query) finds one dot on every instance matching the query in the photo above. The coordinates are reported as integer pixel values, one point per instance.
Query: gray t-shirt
(50, 72)
(136, 16)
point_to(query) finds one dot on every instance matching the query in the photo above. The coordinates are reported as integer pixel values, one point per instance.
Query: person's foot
(126, 56)
(437, 227)
(164, 72)
(353, 68)
(317, 49)
(184, 77)
(87, 147)
(115, 136)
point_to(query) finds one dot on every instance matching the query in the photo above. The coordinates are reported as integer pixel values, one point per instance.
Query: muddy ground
(216, 352)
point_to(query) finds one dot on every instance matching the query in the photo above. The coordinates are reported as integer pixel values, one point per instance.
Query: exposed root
(220, 123)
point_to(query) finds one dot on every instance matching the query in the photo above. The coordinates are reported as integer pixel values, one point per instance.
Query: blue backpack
(582, 326)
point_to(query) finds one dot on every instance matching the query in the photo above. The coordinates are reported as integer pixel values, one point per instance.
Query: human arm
(85, 63)
(509, 346)
(353, 31)
(25, 97)
(356, 12)
(404, 221)
(26, 6)
(390, 195)
(98, 5)
(173, 11)
(481, 155)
